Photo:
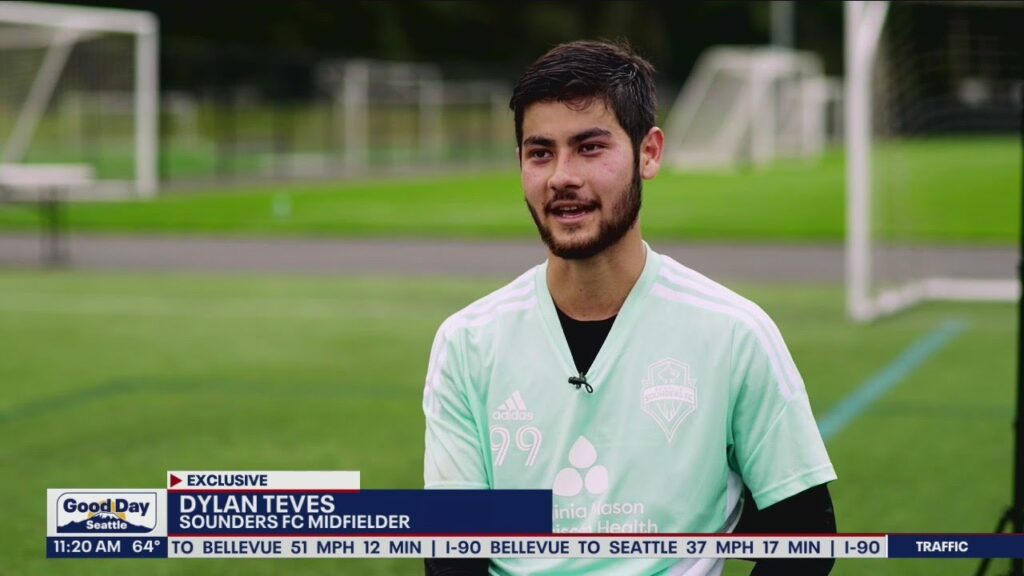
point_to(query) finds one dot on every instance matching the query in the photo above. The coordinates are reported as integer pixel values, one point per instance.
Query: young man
(645, 395)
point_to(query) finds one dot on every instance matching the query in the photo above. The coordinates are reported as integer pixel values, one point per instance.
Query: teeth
(570, 209)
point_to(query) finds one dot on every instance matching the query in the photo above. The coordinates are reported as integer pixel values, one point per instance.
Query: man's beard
(623, 217)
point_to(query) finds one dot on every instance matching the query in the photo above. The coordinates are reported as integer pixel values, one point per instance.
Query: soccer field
(963, 190)
(110, 379)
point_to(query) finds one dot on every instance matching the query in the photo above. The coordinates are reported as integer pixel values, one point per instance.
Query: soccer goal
(407, 114)
(746, 106)
(78, 101)
(933, 110)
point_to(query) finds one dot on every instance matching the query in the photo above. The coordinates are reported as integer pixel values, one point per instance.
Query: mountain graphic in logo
(104, 522)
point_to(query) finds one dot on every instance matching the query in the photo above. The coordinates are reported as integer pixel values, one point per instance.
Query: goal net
(749, 106)
(78, 95)
(933, 112)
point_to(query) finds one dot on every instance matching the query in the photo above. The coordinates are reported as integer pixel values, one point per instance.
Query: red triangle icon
(174, 481)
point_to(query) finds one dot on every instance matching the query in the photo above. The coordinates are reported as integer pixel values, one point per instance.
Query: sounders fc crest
(668, 394)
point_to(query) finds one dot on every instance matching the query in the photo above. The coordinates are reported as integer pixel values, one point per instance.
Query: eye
(590, 147)
(538, 154)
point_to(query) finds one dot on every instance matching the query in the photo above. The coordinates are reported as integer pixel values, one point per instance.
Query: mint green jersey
(694, 395)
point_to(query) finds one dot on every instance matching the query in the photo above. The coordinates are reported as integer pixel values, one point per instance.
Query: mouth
(569, 212)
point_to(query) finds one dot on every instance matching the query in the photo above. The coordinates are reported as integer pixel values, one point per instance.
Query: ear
(518, 157)
(651, 149)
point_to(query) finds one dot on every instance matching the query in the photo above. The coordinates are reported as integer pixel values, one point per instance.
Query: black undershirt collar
(584, 337)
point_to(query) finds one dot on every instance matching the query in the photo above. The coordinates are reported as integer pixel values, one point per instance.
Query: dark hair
(588, 70)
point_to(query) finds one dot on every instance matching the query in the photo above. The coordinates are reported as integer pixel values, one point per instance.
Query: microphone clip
(581, 380)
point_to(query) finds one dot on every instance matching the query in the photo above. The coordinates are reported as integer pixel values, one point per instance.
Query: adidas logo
(513, 409)
(582, 457)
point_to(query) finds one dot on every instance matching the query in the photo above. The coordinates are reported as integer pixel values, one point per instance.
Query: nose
(566, 175)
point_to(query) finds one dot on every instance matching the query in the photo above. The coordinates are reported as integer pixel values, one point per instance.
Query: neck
(595, 288)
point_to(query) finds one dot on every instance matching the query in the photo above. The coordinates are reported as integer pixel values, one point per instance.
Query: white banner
(555, 546)
(262, 480)
(106, 512)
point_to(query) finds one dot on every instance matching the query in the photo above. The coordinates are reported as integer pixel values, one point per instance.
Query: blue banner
(956, 546)
(365, 512)
(106, 547)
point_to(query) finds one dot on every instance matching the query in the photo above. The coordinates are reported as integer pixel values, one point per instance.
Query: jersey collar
(617, 338)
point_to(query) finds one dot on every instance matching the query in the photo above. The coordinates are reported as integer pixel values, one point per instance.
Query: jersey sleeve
(453, 457)
(775, 443)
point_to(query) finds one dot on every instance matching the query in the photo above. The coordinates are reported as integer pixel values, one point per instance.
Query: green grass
(961, 191)
(110, 379)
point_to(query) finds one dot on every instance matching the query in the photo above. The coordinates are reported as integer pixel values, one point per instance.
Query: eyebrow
(587, 135)
(573, 140)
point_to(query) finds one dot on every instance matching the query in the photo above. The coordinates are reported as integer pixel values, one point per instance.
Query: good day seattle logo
(106, 512)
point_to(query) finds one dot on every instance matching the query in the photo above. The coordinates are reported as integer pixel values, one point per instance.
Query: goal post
(911, 93)
(863, 26)
(50, 53)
